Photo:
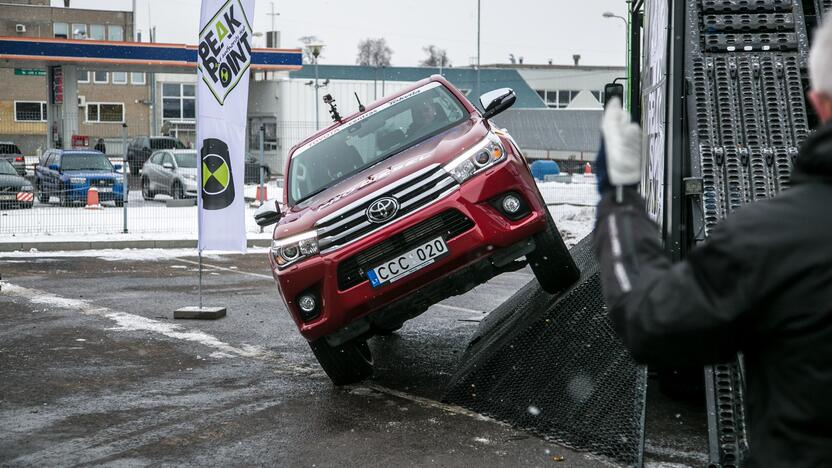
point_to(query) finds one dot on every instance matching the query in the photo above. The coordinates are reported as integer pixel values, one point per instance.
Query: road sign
(29, 72)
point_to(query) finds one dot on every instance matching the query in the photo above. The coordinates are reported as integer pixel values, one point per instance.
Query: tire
(63, 200)
(27, 206)
(551, 261)
(43, 196)
(176, 191)
(349, 363)
(119, 203)
(147, 194)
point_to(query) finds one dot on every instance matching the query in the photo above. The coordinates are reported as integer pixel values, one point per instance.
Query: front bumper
(491, 231)
(79, 193)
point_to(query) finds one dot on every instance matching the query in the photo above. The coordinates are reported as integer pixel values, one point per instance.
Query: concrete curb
(47, 246)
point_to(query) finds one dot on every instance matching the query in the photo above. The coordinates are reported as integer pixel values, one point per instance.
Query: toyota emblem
(382, 210)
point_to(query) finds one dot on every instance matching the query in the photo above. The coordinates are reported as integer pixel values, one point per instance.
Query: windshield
(186, 160)
(379, 134)
(85, 162)
(9, 148)
(165, 143)
(6, 168)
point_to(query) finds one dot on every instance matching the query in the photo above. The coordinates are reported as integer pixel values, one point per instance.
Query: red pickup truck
(415, 199)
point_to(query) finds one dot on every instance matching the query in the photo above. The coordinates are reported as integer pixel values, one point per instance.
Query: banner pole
(200, 279)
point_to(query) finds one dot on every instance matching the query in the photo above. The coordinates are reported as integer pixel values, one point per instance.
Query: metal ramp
(745, 64)
(553, 366)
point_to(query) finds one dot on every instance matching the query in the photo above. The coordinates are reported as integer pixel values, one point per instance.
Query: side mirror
(53, 167)
(267, 214)
(168, 166)
(497, 101)
(613, 90)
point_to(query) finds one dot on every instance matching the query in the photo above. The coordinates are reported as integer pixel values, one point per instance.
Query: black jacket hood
(815, 159)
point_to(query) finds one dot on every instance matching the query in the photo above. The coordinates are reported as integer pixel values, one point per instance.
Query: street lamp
(609, 14)
(315, 50)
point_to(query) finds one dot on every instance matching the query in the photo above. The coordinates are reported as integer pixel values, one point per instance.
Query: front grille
(101, 182)
(9, 189)
(413, 192)
(448, 224)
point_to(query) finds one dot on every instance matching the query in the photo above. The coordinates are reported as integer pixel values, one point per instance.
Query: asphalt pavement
(96, 371)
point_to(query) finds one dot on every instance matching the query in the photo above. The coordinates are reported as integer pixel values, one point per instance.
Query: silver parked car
(172, 172)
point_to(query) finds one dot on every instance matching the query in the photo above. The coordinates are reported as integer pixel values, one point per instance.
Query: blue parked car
(69, 174)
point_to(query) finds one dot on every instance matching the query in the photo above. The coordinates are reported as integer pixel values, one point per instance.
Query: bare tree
(436, 57)
(374, 53)
(307, 52)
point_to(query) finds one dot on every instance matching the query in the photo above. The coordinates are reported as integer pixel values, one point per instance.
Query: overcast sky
(538, 30)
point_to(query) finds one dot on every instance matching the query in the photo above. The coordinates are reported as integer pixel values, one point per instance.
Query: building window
(79, 31)
(98, 32)
(29, 111)
(137, 78)
(178, 101)
(83, 76)
(557, 99)
(105, 112)
(119, 77)
(100, 77)
(60, 30)
(115, 33)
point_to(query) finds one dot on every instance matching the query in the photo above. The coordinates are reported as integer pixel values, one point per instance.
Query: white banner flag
(225, 40)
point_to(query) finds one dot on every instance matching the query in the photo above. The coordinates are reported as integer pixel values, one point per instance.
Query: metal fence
(57, 213)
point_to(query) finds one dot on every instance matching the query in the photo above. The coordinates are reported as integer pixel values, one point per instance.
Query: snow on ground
(574, 222)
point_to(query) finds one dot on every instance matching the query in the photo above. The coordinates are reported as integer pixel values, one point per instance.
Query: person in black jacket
(760, 285)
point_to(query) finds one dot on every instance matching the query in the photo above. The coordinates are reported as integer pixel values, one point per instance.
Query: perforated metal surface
(555, 367)
(748, 117)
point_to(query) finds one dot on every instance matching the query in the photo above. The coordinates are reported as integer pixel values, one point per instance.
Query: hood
(12, 181)
(815, 159)
(440, 149)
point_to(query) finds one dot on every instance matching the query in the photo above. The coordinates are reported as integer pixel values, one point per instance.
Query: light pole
(316, 52)
(608, 14)
(478, 92)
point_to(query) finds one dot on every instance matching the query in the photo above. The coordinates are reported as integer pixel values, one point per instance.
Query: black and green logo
(217, 177)
(225, 49)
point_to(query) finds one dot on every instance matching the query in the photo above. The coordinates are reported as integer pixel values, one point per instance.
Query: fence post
(125, 173)
(260, 167)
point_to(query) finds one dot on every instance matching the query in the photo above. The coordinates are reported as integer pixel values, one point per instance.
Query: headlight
(482, 156)
(294, 249)
(27, 188)
(77, 180)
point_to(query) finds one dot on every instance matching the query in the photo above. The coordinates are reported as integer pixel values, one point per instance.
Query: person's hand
(622, 145)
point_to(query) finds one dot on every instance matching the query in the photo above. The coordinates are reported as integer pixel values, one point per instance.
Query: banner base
(200, 313)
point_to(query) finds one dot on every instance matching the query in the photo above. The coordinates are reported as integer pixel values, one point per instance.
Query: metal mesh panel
(555, 367)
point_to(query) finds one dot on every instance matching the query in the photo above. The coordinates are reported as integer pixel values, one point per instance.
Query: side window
(167, 159)
(156, 158)
(43, 158)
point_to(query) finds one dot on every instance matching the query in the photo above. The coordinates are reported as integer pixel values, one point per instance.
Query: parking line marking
(130, 322)
(216, 267)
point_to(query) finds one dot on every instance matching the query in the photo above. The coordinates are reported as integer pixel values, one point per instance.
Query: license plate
(105, 189)
(408, 263)
(8, 197)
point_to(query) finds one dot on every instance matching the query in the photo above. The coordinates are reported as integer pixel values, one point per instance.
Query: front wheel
(176, 191)
(43, 195)
(349, 363)
(146, 193)
(551, 261)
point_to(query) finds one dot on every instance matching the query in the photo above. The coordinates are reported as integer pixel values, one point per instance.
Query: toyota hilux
(412, 200)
